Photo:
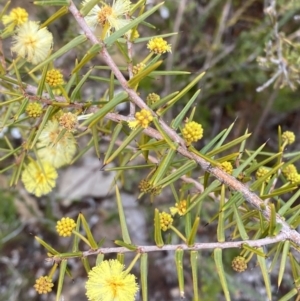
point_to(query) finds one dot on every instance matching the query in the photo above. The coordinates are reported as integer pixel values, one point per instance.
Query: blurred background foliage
(229, 40)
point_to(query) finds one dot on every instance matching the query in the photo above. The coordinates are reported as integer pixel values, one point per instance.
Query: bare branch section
(196, 247)
(223, 177)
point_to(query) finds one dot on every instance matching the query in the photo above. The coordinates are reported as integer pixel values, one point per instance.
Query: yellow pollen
(115, 285)
(31, 41)
(104, 13)
(40, 177)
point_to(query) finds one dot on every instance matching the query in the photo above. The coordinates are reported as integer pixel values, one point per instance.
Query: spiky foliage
(247, 197)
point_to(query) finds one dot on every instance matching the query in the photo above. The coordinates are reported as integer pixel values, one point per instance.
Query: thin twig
(197, 246)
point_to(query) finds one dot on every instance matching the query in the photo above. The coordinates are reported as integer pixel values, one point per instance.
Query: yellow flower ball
(17, 16)
(32, 42)
(288, 137)
(138, 68)
(39, 178)
(109, 282)
(262, 171)
(68, 121)
(166, 221)
(294, 178)
(192, 132)
(227, 167)
(34, 109)
(239, 264)
(145, 186)
(142, 118)
(179, 208)
(54, 78)
(158, 46)
(111, 18)
(58, 147)
(65, 226)
(152, 98)
(43, 285)
(289, 169)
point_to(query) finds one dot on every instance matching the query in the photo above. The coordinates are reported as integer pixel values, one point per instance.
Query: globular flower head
(109, 17)
(166, 220)
(262, 171)
(65, 226)
(152, 98)
(138, 68)
(109, 282)
(142, 118)
(192, 132)
(288, 137)
(34, 109)
(239, 264)
(145, 186)
(227, 167)
(289, 169)
(158, 46)
(56, 144)
(179, 208)
(43, 285)
(294, 178)
(32, 42)
(68, 121)
(39, 177)
(54, 78)
(16, 17)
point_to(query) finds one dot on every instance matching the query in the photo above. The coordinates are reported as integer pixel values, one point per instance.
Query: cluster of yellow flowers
(227, 167)
(192, 132)
(43, 285)
(68, 121)
(54, 78)
(239, 264)
(57, 146)
(142, 118)
(166, 220)
(152, 98)
(138, 68)
(16, 17)
(30, 41)
(65, 226)
(106, 281)
(109, 18)
(290, 169)
(158, 46)
(34, 109)
(145, 186)
(179, 208)
(109, 281)
(262, 171)
(39, 177)
(288, 137)
(291, 174)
